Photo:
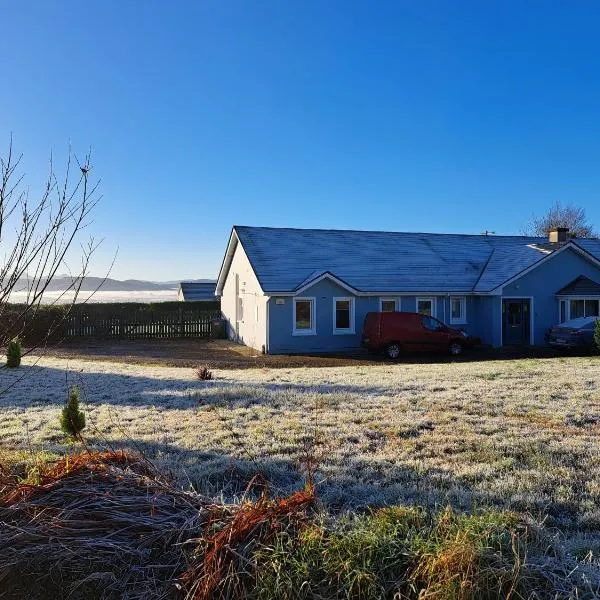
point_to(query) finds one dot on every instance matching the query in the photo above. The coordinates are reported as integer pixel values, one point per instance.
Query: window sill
(344, 332)
(459, 323)
(308, 332)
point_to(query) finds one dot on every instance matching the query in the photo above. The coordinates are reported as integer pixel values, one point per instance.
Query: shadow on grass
(354, 483)
(41, 386)
(346, 479)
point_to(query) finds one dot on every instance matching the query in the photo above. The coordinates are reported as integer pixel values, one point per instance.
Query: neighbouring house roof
(285, 260)
(195, 291)
(582, 286)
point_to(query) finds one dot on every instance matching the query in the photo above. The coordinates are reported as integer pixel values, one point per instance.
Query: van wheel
(392, 350)
(455, 348)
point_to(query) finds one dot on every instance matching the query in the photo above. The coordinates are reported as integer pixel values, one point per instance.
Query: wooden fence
(141, 321)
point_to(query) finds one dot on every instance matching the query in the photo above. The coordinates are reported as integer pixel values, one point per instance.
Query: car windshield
(432, 324)
(580, 323)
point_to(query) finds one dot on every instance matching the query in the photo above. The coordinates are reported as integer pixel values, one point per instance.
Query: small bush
(72, 420)
(13, 353)
(597, 336)
(204, 373)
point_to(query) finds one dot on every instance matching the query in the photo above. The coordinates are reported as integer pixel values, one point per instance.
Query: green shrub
(399, 552)
(72, 420)
(13, 353)
(597, 336)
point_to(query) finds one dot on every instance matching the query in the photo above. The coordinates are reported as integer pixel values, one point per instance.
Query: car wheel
(455, 348)
(393, 351)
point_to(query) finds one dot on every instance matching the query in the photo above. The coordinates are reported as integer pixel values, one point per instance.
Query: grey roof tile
(377, 261)
(194, 291)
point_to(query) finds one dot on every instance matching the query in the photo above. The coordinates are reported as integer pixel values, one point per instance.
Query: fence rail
(179, 320)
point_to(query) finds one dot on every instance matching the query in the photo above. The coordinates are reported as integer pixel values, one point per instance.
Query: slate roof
(195, 291)
(377, 261)
(582, 286)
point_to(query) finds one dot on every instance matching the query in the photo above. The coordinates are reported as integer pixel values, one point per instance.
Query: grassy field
(522, 435)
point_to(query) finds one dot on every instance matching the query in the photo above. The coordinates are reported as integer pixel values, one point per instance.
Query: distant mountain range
(90, 284)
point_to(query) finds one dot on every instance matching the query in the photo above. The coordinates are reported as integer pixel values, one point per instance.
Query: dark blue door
(516, 320)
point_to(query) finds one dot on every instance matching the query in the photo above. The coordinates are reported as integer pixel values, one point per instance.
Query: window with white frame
(458, 310)
(343, 315)
(574, 308)
(426, 306)
(388, 305)
(563, 311)
(583, 307)
(304, 316)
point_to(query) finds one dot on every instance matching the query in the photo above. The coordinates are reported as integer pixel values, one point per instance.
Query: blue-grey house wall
(483, 319)
(281, 339)
(542, 284)
(483, 313)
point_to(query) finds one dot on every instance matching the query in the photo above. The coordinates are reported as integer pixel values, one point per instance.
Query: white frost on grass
(520, 434)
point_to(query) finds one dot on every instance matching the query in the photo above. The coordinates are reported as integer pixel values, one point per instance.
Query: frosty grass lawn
(518, 434)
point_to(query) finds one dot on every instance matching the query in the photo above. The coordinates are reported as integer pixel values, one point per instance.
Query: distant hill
(90, 284)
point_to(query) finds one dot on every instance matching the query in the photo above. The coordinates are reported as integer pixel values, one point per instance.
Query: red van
(397, 332)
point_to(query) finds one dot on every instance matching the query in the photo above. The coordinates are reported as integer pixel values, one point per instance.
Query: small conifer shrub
(72, 420)
(13, 353)
(597, 336)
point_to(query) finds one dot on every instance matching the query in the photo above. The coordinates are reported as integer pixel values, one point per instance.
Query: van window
(430, 323)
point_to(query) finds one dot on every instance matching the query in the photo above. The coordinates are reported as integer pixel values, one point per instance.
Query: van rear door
(372, 330)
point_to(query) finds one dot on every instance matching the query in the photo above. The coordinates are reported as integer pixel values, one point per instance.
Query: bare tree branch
(36, 237)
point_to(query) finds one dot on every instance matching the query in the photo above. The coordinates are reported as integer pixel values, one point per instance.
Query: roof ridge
(432, 233)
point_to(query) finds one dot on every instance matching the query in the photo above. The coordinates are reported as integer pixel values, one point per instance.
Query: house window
(388, 305)
(458, 309)
(343, 315)
(583, 308)
(591, 308)
(304, 316)
(426, 306)
(563, 311)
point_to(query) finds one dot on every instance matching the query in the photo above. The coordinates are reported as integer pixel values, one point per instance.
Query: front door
(516, 320)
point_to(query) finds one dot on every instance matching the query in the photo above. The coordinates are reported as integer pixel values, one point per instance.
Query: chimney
(558, 235)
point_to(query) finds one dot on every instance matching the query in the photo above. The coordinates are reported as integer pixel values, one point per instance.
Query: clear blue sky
(418, 116)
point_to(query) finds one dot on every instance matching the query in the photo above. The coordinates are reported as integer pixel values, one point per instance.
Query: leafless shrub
(36, 236)
(204, 373)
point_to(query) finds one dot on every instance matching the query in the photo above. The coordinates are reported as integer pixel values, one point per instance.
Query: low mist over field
(98, 289)
(62, 297)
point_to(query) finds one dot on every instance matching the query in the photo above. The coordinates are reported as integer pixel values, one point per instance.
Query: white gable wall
(251, 330)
